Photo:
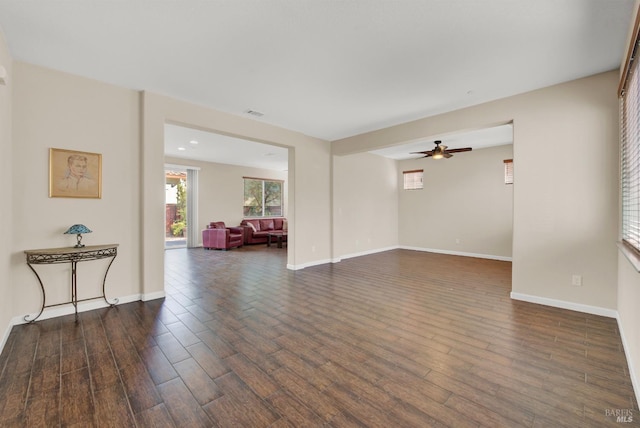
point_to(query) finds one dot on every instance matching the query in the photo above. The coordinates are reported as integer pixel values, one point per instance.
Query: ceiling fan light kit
(440, 152)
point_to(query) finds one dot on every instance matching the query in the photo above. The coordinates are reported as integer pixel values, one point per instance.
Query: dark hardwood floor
(395, 339)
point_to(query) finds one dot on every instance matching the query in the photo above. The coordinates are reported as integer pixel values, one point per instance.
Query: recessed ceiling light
(270, 154)
(181, 149)
(194, 142)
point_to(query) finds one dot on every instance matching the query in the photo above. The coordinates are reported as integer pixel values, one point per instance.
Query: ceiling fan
(440, 152)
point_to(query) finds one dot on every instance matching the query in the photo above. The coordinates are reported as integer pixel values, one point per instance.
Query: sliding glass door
(181, 210)
(175, 225)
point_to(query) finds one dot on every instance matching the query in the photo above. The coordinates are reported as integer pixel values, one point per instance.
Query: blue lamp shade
(78, 230)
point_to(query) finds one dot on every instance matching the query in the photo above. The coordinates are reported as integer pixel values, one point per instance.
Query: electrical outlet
(576, 280)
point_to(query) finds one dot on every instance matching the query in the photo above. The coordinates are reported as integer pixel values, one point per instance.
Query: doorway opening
(226, 162)
(175, 209)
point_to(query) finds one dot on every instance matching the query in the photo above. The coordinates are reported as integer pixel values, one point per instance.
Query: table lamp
(78, 230)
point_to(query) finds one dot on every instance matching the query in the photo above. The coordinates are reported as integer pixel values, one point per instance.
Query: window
(630, 151)
(508, 171)
(413, 179)
(262, 197)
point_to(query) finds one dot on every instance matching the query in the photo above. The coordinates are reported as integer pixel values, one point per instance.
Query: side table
(71, 255)
(280, 237)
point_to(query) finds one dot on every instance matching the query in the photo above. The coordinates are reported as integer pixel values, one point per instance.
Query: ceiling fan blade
(440, 151)
(466, 149)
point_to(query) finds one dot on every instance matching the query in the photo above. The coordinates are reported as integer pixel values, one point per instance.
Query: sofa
(219, 237)
(256, 230)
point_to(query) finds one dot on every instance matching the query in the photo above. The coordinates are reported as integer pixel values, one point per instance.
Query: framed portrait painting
(74, 174)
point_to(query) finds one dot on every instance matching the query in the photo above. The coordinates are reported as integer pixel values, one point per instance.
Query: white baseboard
(153, 296)
(562, 304)
(458, 253)
(68, 309)
(635, 382)
(366, 253)
(395, 247)
(338, 259)
(306, 265)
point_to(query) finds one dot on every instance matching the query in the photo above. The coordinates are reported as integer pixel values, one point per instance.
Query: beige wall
(566, 184)
(6, 215)
(564, 218)
(465, 207)
(309, 201)
(365, 207)
(629, 291)
(565, 196)
(221, 189)
(53, 109)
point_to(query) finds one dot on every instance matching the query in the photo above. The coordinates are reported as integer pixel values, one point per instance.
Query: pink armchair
(220, 237)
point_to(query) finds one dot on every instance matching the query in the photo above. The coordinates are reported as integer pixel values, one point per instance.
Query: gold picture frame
(74, 174)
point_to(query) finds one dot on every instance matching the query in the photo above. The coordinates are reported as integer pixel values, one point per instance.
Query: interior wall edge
(633, 373)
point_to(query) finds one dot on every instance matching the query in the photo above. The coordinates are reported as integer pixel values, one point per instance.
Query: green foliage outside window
(262, 198)
(180, 224)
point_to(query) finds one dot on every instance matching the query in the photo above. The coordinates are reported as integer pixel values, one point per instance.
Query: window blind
(413, 179)
(193, 231)
(630, 154)
(630, 159)
(508, 171)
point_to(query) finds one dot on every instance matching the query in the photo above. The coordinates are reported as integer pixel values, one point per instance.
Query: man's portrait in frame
(74, 174)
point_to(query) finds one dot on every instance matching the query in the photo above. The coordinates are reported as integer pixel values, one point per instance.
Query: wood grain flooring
(395, 339)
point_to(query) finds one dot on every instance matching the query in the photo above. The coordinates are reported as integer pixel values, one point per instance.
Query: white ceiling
(328, 69)
(210, 147)
(476, 139)
(188, 143)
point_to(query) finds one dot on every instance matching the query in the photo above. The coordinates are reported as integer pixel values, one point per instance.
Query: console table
(71, 255)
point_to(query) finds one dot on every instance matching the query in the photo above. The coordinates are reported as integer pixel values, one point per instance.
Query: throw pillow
(267, 225)
(251, 226)
(285, 225)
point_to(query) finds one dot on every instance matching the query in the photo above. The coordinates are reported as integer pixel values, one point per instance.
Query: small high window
(508, 171)
(413, 179)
